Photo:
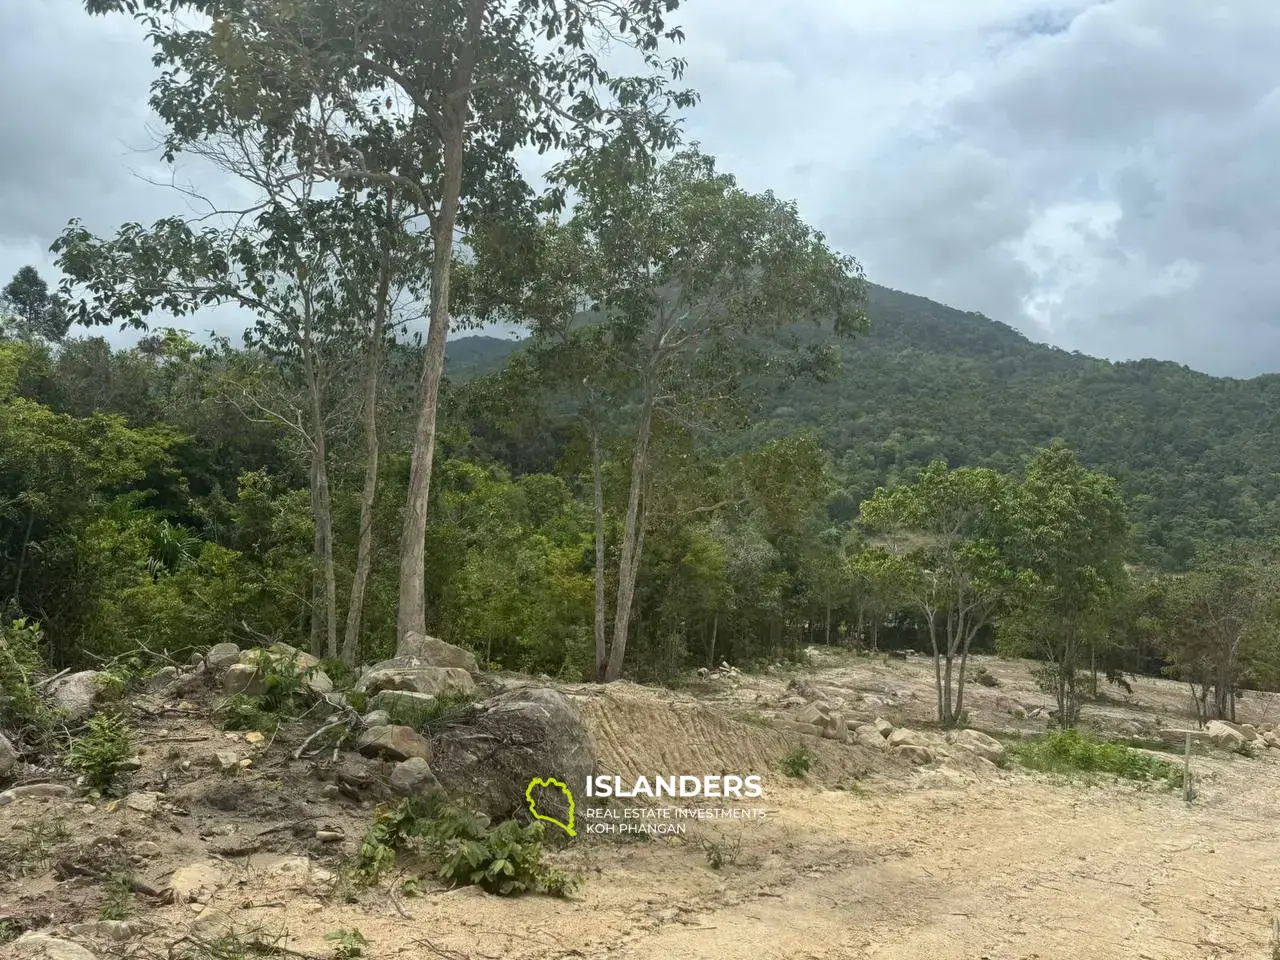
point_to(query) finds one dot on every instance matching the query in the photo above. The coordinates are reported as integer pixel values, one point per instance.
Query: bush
(504, 860)
(984, 677)
(1070, 751)
(240, 712)
(798, 762)
(100, 753)
(22, 711)
(448, 708)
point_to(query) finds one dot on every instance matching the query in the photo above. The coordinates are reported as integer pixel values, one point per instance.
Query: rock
(253, 737)
(143, 802)
(903, 737)
(78, 694)
(418, 679)
(978, 743)
(413, 777)
(792, 702)
(808, 729)
(515, 737)
(330, 791)
(118, 930)
(147, 848)
(869, 736)
(196, 881)
(212, 925)
(836, 729)
(36, 791)
(915, 754)
(228, 760)
(330, 836)
(1225, 735)
(1250, 732)
(810, 713)
(8, 756)
(314, 679)
(394, 743)
(221, 656)
(1271, 739)
(163, 679)
(884, 726)
(243, 678)
(437, 653)
(196, 661)
(41, 946)
(377, 718)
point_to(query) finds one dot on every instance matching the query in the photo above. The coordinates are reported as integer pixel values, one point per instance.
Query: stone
(417, 679)
(1250, 732)
(163, 679)
(221, 656)
(1225, 735)
(915, 754)
(143, 802)
(810, 713)
(437, 653)
(903, 737)
(402, 704)
(41, 946)
(884, 726)
(978, 743)
(34, 791)
(836, 728)
(413, 777)
(869, 736)
(314, 679)
(515, 737)
(147, 848)
(212, 925)
(808, 729)
(196, 661)
(1271, 739)
(8, 756)
(377, 718)
(253, 737)
(330, 836)
(79, 694)
(393, 743)
(243, 678)
(118, 930)
(228, 760)
(196, 881)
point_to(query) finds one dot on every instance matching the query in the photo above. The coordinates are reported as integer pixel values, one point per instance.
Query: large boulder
(417, 676)
(8, 756)
(244, 678)
(394, 743)
(517, 736)
(78, 694)
(437, 653)
(314, 678)
(41, 946)
(978, 743)
(1225, 735)
(413, 777)
(221, 656)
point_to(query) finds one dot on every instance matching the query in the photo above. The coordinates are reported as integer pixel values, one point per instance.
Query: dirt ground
(869, 857)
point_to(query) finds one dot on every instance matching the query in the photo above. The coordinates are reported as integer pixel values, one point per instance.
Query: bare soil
(867, 857)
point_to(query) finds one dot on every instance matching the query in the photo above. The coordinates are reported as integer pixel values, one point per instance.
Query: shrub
(445, 709)
(798, 762)
(100, 753)
(1070, 751)
(722, 853)
(22, 711)
(984, 677)
(240, 712)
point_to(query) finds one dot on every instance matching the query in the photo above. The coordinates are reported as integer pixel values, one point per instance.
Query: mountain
(1197, 456)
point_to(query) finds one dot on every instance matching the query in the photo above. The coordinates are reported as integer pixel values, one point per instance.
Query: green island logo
(533, 804)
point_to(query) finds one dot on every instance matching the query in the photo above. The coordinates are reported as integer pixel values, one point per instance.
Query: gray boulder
(412, 674)
(243, 678)
(413, 778)
(437, 653)
(394, 743)
(41, 946)
(221, 656)
(78, 694)
(517, 736)
(8, 756)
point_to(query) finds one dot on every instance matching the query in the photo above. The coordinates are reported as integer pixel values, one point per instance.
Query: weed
(722, 853)
(984, 677)
(41, 839)
(234, 945)
(23, 713)
(349, 944)
(100, 753)
(119, 898)
(798, 762)
(1070, 751)
(10, 930)
(240, 712)
(446, 709)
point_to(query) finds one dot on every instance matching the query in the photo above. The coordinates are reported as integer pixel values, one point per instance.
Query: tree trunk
(317, 572)
(411, 616)
(597, 473)
(369, 493)
(629, 564)
(22, 557)
(323, 509)
(711, 650)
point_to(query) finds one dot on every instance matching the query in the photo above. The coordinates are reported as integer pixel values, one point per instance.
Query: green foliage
(23, 713)
(1071, 751)
(241, 712)
(798, 762)
(984, 677)
(448, 708)
(119, 902)
(99, 754)
(722, 852)
(348, 944)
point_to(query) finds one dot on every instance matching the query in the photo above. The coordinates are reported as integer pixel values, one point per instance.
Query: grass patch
(1074, 752)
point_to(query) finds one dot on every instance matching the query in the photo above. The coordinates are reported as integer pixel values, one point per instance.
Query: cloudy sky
(1101, 175)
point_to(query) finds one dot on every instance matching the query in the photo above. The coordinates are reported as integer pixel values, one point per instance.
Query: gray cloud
(1099, 174)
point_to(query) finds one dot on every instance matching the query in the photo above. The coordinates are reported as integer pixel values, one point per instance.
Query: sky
(1099, 175)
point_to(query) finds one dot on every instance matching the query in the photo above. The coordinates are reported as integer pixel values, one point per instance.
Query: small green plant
(119, 904)
(23, 713)
(41, 839)
(984, 677)
(100, 753)
(1071, 751)
(348, 944)
(722, 852)
(10, 930)
(798, 762)
(447, 708)
(240, 712)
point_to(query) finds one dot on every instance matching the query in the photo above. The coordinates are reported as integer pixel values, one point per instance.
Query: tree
(34, 311)
(940, 540)
(1067, 535)
(687, 276)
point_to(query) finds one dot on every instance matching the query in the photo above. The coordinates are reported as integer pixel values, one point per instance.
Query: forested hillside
(1198, 457)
